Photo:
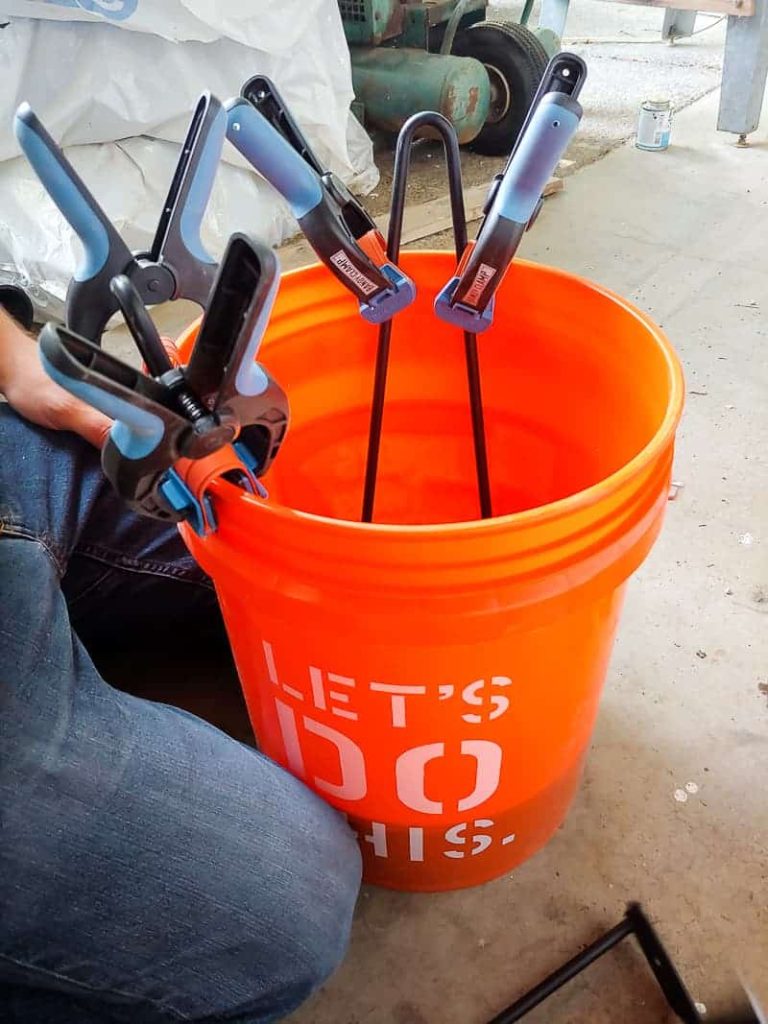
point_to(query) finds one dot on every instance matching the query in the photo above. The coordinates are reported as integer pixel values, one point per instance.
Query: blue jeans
(152, 869)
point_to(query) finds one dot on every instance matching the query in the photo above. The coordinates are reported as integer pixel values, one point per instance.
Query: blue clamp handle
(467, 300)
(273, 157)
(335, 224)
(145, 424)
(150, 434)
(105, 251)
(223, 367)
(250, 378)
(552, 126)
(178, 243)
(223, 361)
(136, 432)
(177, 266)
(195, 202)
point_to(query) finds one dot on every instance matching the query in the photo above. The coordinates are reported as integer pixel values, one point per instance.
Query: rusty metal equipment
(443, 55)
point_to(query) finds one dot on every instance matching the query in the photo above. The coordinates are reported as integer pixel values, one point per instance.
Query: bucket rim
(533, 517)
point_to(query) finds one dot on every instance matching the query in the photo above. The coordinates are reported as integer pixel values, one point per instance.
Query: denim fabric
(151, 868)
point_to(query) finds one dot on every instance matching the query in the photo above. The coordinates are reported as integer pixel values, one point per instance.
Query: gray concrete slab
(629, 62)
(683, 234)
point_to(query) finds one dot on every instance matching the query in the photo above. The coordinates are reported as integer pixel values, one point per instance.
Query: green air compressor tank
(393, 83)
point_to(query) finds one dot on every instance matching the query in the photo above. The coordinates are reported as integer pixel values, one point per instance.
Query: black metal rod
(377, 416)
(478, 424)
(141, 325)
(564, 974)
(670, 982)
(406, 138)
(427, 119)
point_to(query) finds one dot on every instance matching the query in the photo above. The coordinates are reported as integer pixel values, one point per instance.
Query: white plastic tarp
(120, 101)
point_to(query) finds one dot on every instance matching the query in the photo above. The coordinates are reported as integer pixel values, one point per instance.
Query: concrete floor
(683, 234)
(628, 63)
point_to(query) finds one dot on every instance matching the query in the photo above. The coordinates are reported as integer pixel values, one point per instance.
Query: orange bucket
(434, 676)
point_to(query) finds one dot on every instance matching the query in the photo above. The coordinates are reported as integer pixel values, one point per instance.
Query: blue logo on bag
(114, 10)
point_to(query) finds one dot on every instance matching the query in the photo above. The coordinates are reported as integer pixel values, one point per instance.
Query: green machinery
(412, 55)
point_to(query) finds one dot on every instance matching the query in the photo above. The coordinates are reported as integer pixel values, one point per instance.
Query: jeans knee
(311, 928)
(330, 930)
(322, 899)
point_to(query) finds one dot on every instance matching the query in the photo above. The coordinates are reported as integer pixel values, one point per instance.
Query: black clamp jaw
(515, 197)
(335, 223)
(176, 266)
(223, 404)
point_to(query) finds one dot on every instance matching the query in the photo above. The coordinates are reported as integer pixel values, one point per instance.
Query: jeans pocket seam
(114, 560)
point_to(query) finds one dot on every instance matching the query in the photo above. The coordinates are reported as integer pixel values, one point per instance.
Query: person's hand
(32, 393)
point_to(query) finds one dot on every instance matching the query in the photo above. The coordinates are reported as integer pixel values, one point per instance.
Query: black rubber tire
(514, 54)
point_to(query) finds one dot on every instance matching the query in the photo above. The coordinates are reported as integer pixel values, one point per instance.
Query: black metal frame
(637, 924)
(408, 134)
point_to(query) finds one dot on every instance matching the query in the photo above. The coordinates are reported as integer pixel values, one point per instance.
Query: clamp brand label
(482, 280)
(350, 271)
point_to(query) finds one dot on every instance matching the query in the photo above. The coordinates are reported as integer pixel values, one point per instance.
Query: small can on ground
(654, 124)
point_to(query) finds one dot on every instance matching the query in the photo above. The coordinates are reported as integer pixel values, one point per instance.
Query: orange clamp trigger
(465, 259)
(374, 246)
